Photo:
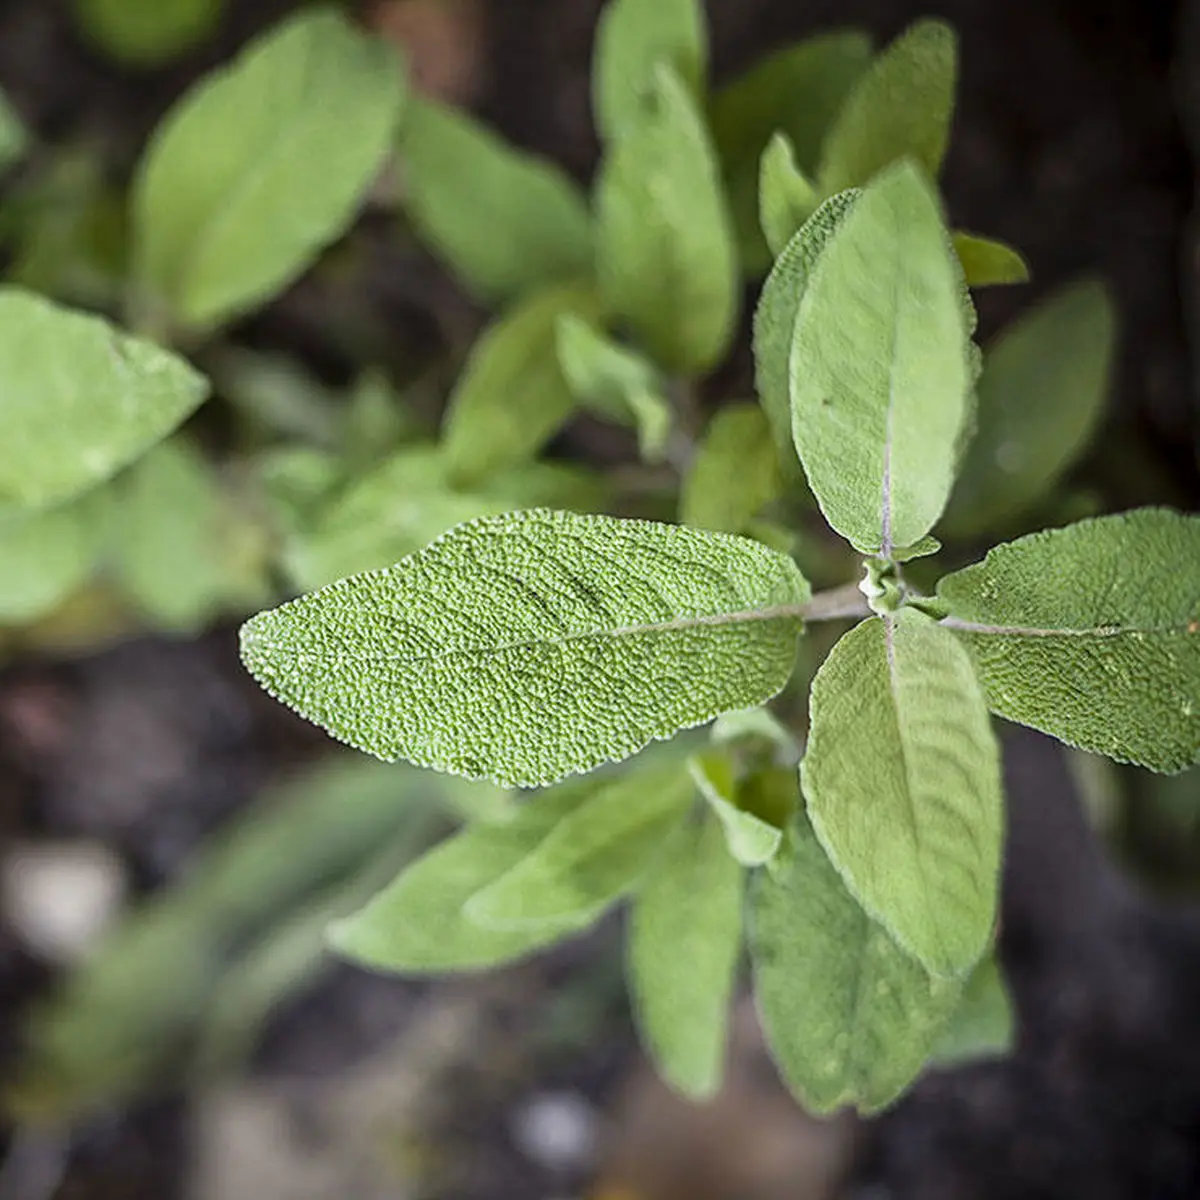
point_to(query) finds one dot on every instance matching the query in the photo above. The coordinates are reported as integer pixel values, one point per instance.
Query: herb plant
(471, 607)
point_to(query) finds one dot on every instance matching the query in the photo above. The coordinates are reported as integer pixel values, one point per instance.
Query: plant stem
(837, 603)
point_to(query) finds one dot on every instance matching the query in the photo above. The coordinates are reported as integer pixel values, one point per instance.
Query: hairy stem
(837, 603)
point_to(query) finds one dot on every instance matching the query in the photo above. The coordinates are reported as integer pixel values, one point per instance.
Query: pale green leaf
(756, 725)
(735, 472)
(665, 257)
(983, 1025)
(881, 367)
(593, 856)
(751, 840)
(615, 381)
(902, 780)
(45, 556)
(504, 221)
(901, 107)
(146, 33)
(849, 1017)
(685, 932)
(986, 262)
(797, 91)
(417, 926)
(80, 399)
(786, 197)
(262, 164)
(1092, 634)
(181, 553)
(525, 647)
(632, 38)
(1040, 399)
(511, 397)
(14, 137)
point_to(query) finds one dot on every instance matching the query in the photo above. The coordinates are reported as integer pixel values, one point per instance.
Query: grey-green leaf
(1040, 397)
(146, 35)
(417, 926)
(632, 38)
(1092, 634)
(684, 936)
(14, 137)
(511, 397)
(881, 367)
(594, 855)
(983, 1025)
(849, 1017)
(735, 472)
(262, 164)
(797, 92)
(778, 306)
(665, 253)
(902, 780)
(616, 381)
(901, 107)
(505, 221)
(786, 196)
(986, 262)
(527, 647)
(751, 840)
(81, 399)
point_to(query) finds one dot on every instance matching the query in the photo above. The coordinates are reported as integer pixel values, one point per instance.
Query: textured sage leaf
(181, 552)
(512, 397)
(775, 317)
(900, 107)
(881, 367)
(594, 855)
(786, 197)
(983, 1025)
(849, 1018)
(615, 381)
(632, 39)
(735, 471)
(262, 164)
(902, 780)
(665, 254)
(526, 647)
(81, 399)
(1092, 634)
(685, 933)
(14, 137)
(45, 556)
(986, 262)
(417, 926)
(408, 501)
(147, 34)
(751, 840)
(796, 92)
(505, 221)
(1040, 398)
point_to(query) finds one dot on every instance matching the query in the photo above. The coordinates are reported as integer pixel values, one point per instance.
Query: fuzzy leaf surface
(880, 367)
(526, 647)
(81, 399)
(984, 1024)
(849, 1017)
(902, 780)
(684, 937)
(786, 197)
(505, 221)
(1091, 634)
(262, 164)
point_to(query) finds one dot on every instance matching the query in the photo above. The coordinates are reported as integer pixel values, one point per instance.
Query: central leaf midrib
(1098, 631)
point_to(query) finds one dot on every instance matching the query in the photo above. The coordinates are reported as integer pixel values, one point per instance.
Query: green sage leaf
(145, 35)
(735, 472)
(849, 1017)
(666, 258)
(684, 936)
(986, 262)
(505, 221)
(632, 39)
(751, 840)
(983, 1025)
(786, 197)
(262, 164)
(14, 137)
(1040, 399)
(81, 399)
(526, 647)
(1092, 634)
(881, 367)
(901, 107)
(902, 780)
